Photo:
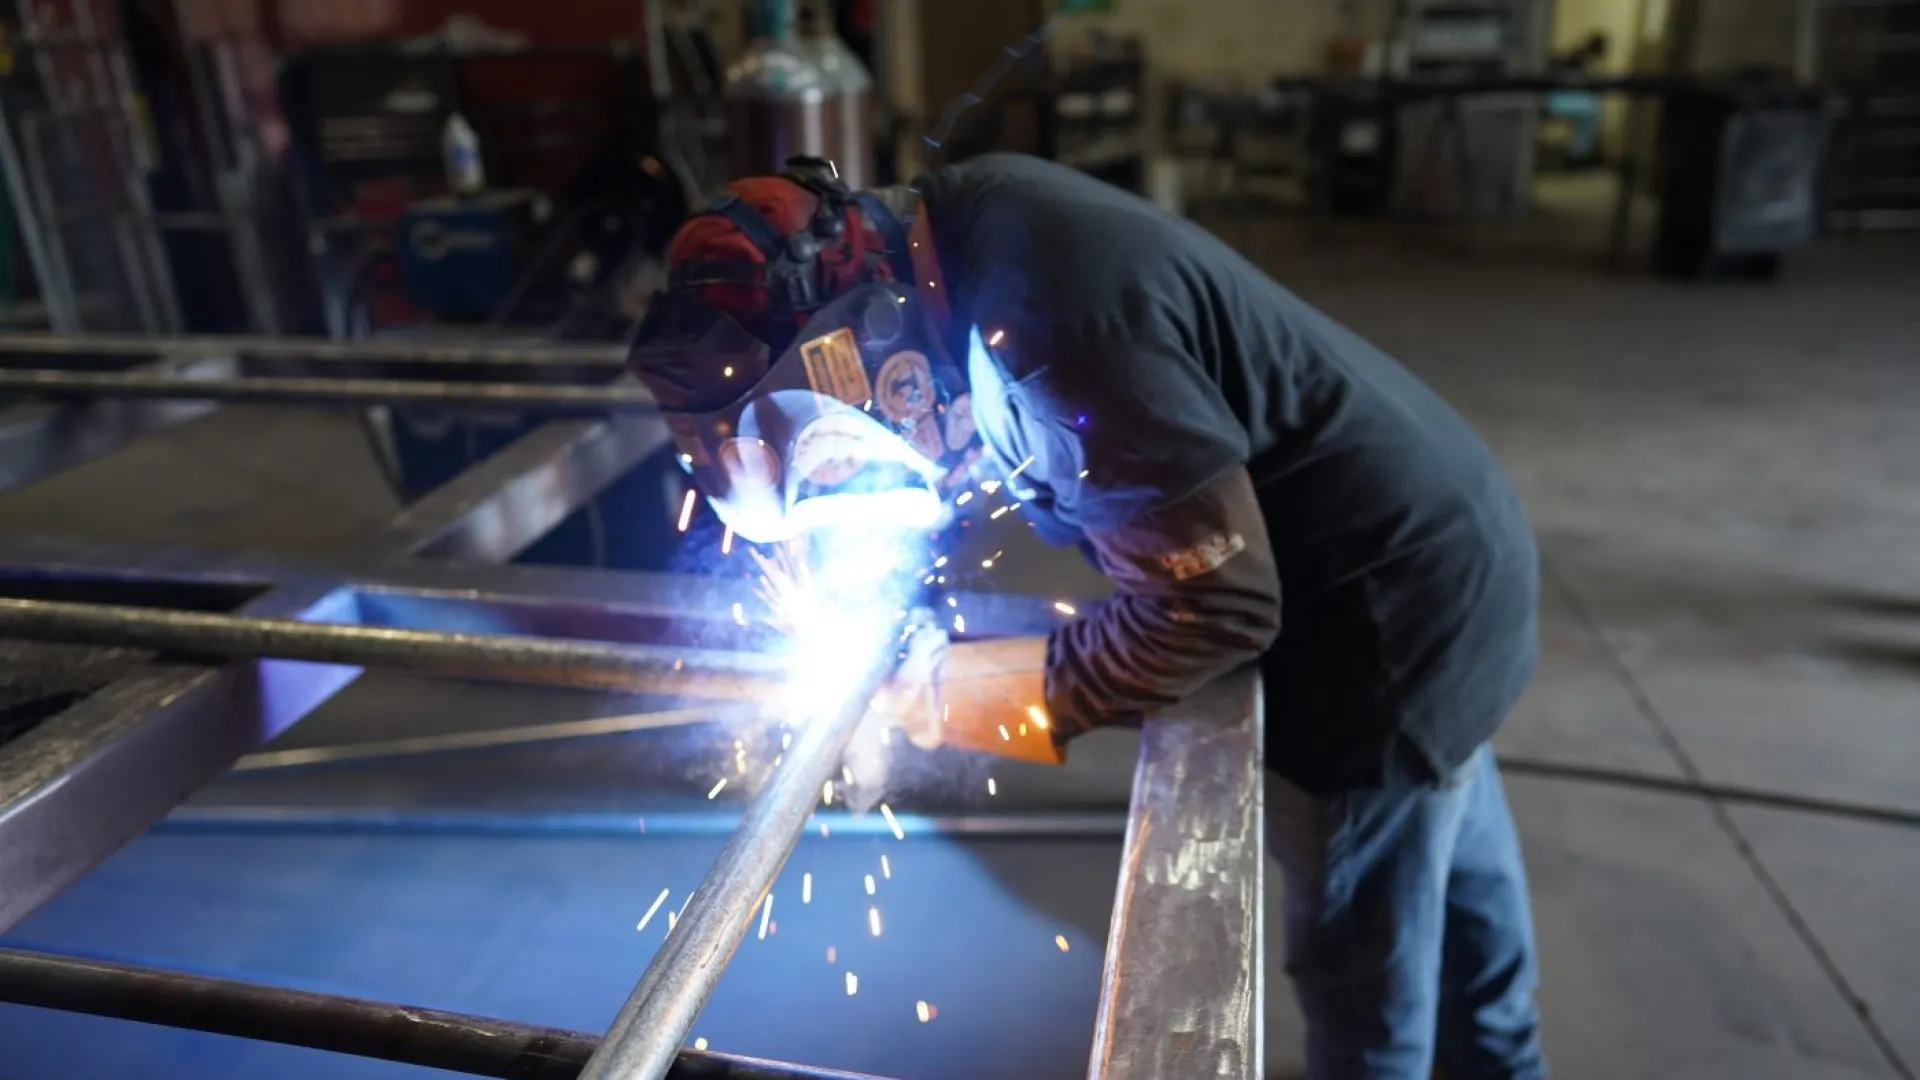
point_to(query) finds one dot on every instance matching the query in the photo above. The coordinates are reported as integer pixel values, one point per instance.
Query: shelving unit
(1871, 48)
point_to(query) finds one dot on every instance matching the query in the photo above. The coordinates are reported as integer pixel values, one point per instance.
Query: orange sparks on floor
(892, 822)
(686, 510)
(1004, 737)
(1038, 715)
(716, 788)
(1060, 940)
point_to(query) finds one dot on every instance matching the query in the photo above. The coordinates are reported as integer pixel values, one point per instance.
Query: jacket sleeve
(1197, 595)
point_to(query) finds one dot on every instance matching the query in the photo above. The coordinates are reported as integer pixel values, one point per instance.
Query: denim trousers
(1409, 939)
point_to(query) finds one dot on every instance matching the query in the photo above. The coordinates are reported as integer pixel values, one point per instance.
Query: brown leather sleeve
(1197, 596)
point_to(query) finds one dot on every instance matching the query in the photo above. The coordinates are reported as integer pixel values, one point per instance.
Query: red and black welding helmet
(790, 356)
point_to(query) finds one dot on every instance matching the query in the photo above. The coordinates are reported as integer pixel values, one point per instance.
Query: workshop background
(1659, 252)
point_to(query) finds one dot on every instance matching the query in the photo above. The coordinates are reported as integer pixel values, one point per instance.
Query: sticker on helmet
(960, 429)
(906, 389)
(834, 368)
(828, 450)
(925, 437)
(750, 465)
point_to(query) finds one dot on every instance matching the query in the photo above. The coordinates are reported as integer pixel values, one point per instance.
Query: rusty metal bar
(432, 1038)
(598, 665)
(277, 390)
(1182, 993)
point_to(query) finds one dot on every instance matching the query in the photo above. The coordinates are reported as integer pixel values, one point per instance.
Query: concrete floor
(1726, 482)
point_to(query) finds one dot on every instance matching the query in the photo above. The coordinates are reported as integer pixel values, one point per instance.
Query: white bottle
(460, 147)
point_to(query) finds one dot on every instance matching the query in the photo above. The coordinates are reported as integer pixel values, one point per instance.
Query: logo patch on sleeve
(1204, 557)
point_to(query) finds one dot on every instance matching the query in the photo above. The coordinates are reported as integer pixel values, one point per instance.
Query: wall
(1240, 41)
(1573, 22)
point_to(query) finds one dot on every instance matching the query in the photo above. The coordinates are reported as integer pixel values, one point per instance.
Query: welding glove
(988, 696)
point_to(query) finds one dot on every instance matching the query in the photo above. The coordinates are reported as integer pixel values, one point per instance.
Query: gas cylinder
(776, 99)
(849, 96)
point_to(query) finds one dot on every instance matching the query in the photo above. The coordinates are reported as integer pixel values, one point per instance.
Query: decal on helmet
(960, 430)
(834, 368)
(828, 451)
(750, 465)
(905, 392)
(924, 435)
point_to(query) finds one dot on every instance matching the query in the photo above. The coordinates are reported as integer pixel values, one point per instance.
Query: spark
(806, 888)
(726, 541)
(673, 918)
(997, 338)
(1084, 472)
(824, 831)
(1065, 608)
(992, 787)
(873, 920)
(846, 774)
(886, 736)
(657, 901)
(965, 498)
(869, 884)
(1004, 737)
(686, 510)
(943, 579)
(727, 371)
(989, 486)
(996, 515)
(853, 984)
(892, 822)
(886, 868)
(1020, 468)
(716, 788)
(739, 613)
(953, 601)
(1061, 940)
(786, 740)
(1038, 715)
(686, 459)
(960, 623)
(923, 1011)
(939, 562)
(766, 914)
(1023, 731)
(929, 580)
(832, 954)
(701, 1044)
(826, 793)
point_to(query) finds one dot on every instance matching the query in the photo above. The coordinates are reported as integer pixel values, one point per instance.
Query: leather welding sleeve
(1197, 595)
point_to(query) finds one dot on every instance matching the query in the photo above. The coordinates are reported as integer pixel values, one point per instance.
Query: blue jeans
(1408, 935)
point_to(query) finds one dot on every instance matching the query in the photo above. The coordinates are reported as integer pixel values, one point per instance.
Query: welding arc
(601, 665)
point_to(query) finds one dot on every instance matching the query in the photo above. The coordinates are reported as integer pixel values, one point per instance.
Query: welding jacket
(1259, 482)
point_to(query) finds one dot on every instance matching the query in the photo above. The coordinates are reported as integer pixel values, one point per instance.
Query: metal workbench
(197, 658)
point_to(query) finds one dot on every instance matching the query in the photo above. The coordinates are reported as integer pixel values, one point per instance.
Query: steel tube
(499, 657)
(615, 397)
(53, 347)
(431, 1038)
(655, 1020)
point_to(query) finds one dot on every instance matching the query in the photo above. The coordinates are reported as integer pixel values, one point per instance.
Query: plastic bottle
(460, 147)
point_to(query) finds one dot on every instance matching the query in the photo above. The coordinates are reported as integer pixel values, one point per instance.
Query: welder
(1260, 483)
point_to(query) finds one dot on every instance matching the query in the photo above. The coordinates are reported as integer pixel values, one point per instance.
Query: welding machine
(460, 255)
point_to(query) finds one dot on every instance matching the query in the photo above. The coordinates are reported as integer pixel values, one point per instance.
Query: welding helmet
(803, 384)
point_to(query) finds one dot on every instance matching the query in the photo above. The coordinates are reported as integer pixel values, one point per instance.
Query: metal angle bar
(655, 1020)
(1182, 993)
(278, 390)
(82, 783)
(432, 1038)
(498, 657)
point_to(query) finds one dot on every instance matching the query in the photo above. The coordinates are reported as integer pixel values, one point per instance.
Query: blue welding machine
(460, 255)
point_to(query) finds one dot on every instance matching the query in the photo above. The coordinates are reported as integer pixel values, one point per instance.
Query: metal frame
(1187, 916)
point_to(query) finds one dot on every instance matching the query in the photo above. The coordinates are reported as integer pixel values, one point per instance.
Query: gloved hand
(987, 696)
